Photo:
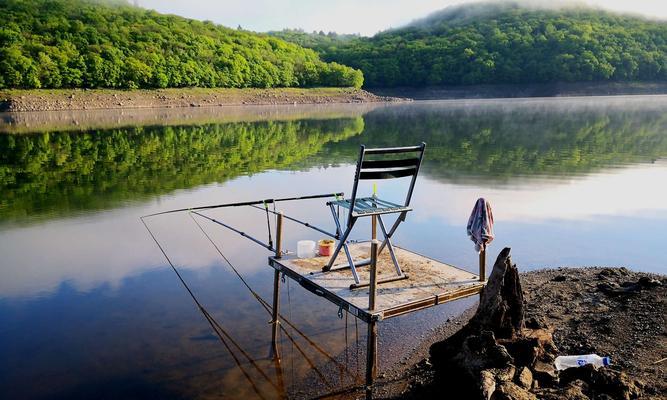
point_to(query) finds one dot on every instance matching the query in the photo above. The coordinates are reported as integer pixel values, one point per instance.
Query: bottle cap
(606, 361)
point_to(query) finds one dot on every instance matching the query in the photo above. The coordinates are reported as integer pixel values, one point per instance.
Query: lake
(90, 308)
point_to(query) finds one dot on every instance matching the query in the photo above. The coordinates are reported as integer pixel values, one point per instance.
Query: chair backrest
(393, 162)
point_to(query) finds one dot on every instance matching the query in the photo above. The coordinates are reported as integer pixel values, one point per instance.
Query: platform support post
(372, 292)
(371, 346)
(276, 291)
(482, 264)
(374, 227)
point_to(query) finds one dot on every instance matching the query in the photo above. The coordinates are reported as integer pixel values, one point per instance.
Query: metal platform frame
(371, 316)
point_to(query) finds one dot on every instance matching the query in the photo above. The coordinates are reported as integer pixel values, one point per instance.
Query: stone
(616, 384)
(575, 391)
(487, 384)
(524, 378)
(647, 282)
(545, 373)
(510, 391)
(584, 373)
(505, 374)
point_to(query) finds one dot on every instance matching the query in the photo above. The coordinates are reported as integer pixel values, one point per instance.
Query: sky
(366, 17)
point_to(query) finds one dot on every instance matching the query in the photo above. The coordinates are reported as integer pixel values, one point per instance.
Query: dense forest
(94, 44)
(502, 43)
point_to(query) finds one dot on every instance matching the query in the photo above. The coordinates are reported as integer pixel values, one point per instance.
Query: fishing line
(266, 306)
(263, 302)
(268, 223)
(208, 317)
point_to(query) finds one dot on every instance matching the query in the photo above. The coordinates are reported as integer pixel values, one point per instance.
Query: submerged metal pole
(274, 316)
(276, 291)
(371, 366)
(371, 345)
(482, 264)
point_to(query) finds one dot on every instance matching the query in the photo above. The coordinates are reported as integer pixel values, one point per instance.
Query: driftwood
(500, 309)
(474, 354)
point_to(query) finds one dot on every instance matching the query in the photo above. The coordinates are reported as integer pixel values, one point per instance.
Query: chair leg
(400, 219)
(341, 244)
(336, 220)
(353, 268)
(389, 246)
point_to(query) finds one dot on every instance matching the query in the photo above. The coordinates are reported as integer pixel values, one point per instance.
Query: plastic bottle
(564, 362)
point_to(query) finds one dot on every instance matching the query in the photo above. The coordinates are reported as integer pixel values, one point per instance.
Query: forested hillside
(86, 43)
(504, 43)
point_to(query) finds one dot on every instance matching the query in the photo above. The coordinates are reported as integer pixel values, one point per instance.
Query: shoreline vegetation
(20, 100)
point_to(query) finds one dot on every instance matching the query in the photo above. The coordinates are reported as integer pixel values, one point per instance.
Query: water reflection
(490, 142)
(88, 305)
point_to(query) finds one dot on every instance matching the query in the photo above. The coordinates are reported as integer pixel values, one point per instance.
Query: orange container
(326, 247)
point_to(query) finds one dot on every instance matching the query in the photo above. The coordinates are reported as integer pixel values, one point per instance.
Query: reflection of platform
(429, 282)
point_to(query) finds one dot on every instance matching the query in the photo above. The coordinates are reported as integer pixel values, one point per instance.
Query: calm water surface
(89, 308)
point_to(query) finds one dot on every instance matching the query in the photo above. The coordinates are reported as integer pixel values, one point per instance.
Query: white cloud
(343, 16)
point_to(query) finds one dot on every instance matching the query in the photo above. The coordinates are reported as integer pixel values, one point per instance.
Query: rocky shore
(83, 99)
(613, 312)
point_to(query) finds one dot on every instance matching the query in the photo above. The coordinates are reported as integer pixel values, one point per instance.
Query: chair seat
(371, 206)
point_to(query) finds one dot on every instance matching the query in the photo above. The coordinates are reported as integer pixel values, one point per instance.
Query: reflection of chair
(387, 163)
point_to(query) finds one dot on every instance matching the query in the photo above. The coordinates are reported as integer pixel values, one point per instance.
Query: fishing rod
(306, 224)
(247, 203)
(231, 228)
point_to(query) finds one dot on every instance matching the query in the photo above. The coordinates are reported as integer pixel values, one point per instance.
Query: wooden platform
(429, 282)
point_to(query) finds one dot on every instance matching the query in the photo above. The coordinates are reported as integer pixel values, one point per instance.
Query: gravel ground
(613, 312)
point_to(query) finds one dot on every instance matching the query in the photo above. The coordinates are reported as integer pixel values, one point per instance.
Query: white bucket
(305, 249)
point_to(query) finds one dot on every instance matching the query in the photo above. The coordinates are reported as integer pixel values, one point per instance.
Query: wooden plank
(430, 282)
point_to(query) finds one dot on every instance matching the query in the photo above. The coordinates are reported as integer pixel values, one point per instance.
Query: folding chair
(374, 164)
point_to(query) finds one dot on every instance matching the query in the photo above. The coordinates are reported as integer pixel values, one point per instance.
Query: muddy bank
(609, 311)
(82, 99)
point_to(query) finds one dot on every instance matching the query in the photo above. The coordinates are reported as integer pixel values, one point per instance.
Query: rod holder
(279, 234)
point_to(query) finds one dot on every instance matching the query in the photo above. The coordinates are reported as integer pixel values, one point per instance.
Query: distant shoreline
(99, 99)
(493, 91)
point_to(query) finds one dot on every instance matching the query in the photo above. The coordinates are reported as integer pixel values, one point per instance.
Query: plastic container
(305, 249)
(564, 362)
(326, 247)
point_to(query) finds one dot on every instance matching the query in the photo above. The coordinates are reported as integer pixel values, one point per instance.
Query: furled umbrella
(480, 230)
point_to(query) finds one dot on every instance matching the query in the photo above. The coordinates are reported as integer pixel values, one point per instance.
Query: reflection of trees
(490, 143)
(69, 171)
(64, 172)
